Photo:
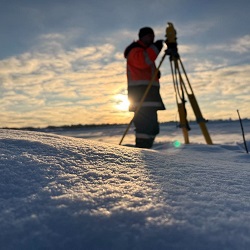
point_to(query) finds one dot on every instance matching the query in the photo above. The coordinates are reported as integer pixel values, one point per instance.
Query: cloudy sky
(61, 62)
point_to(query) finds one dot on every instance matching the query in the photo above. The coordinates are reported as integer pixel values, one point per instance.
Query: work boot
(144, 143)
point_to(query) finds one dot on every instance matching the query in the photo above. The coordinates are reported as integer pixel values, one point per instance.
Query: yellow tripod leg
(205, 133)
(199, 118)
(183, 122)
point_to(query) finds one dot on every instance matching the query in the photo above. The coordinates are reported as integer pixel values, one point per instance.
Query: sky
(61, 62)
(60, 192)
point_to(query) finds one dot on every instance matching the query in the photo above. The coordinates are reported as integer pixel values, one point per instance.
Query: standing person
(141, 56)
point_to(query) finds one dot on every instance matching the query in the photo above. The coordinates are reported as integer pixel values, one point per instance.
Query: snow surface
(61, 192)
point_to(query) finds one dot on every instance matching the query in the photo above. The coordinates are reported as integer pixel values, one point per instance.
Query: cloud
(56, 82)
(71, 73)
(240, 45)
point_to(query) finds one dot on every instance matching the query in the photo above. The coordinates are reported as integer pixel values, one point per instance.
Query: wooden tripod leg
(199, 118)
(183, 122)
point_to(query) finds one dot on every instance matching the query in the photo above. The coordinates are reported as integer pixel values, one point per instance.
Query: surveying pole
(179, 75)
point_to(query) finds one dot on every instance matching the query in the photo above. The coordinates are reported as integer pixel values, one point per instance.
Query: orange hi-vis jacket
(140, 70)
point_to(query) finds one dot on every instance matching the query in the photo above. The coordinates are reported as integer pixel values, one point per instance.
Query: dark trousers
(146, 127)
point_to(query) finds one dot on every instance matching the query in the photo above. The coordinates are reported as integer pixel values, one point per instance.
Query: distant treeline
(67, 127)
(80, 126)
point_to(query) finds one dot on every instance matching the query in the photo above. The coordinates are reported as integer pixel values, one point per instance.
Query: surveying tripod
(180, 88)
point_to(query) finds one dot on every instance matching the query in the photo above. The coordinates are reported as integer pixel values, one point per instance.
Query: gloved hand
(159, 44)
(159, 74)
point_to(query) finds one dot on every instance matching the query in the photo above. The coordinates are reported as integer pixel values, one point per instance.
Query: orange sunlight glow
(122, 102)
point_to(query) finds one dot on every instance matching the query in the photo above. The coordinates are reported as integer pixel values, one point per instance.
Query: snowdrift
(58, 192)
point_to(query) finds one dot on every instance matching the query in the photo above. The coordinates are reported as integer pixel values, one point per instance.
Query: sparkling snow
(62, 192)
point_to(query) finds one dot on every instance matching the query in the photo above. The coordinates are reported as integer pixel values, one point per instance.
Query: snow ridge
(59, 192)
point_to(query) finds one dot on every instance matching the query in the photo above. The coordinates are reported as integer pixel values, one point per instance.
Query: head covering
(145, 31)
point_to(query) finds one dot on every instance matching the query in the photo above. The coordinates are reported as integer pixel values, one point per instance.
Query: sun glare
(122, 102)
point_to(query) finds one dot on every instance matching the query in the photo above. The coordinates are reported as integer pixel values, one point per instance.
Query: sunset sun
(122, 102)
